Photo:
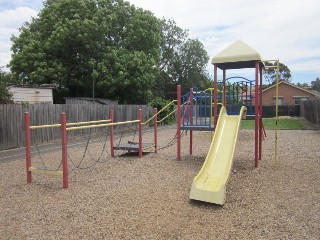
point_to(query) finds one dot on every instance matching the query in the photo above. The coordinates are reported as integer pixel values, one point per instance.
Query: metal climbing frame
(196, 110)
(238, 94)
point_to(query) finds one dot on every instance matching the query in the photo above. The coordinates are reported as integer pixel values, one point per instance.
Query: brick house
(289, 94)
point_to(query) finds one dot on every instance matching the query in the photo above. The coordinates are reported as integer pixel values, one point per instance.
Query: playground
(201, 178)
(128, 197)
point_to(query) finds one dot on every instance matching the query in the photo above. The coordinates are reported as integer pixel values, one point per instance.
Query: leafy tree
(302, 85)
(79, 44)
(182, 61)
(5, 95)
(315, 85)
(270, 73)
(191, 64)
(172, 38)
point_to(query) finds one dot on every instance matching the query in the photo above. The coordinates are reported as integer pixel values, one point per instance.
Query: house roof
(237, 55)
(292, 85)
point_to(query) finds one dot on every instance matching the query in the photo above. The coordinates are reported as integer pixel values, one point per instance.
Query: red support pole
(224, 88)
(215, 95)
(256, 117)
(64, 149)
(178, 122)
(111, 117)
(28, 145)
(155, 125)
(191, 118)
(140, 132)
(260, 112)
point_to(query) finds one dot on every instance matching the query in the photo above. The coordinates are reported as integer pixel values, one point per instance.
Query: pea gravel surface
(127, 197)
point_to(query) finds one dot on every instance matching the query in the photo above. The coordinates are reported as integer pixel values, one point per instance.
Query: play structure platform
(197, 128)
(134, 147)
(210, 183)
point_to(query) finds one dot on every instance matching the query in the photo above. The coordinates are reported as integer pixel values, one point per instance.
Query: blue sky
(288, 30)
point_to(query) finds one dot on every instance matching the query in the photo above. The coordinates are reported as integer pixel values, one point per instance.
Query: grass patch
(270, 123)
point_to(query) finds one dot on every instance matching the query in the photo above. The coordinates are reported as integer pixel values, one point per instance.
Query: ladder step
(44, 171)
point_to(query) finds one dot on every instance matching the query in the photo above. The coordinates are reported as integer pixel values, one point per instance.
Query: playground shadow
(202, 204)
(132, 154)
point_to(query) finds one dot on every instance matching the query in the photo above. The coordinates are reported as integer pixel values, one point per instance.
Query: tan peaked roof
(237, 55)
(292, 85)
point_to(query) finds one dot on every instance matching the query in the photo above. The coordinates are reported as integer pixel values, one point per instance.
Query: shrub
(160, 103)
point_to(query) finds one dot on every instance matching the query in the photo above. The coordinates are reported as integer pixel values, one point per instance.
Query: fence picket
(310, 110)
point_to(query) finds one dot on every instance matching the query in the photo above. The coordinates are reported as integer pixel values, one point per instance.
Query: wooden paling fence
(310, 110)
(12, 133)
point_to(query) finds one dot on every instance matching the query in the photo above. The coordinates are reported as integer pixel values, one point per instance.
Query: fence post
(111, 133)
(140, 132)
(155, 125)
(28, 145)
(64, 149)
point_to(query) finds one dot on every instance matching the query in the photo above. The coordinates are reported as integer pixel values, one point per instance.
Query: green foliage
(191, 64)
(172, 38)
(5, 95)
(77, 42)
(108, 47)
(182, 61)
(160, 103)
(316, 84)
(270, 73)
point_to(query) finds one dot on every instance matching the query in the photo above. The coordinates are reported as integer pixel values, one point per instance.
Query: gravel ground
(130, 198)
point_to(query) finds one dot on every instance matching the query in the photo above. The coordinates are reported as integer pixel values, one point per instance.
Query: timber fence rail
(310, 110)
(12, 132)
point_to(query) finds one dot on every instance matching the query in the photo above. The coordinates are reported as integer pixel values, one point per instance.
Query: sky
(288, 30)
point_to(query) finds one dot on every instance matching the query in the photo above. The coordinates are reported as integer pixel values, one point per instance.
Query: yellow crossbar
(159, 121)
(45, 126)
(50, 172)
(173, 101)
(82, 123)
(69, 124)
(101, 125)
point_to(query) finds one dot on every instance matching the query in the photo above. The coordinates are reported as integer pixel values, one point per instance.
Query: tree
(182, 61)
(5, 95)
(191, 64)
(172, 38)
(269, 72)
(315, 85)
(108, 45)
(302, 85)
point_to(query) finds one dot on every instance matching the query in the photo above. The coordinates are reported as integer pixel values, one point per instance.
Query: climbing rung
(50, 172)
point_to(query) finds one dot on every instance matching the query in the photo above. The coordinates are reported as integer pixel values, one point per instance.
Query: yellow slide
(210, 183)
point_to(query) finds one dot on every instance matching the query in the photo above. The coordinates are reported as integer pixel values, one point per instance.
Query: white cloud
(287, 30)
(11, 21)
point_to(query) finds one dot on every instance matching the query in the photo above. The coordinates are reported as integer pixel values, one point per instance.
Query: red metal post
(111, 117)
(64, 149)
(224, 88)
(215, 95)
(256, 117)
(260, 113)
(178, 122)
(28, 145)
(191, 118)
(155, 126)
(140, 132)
